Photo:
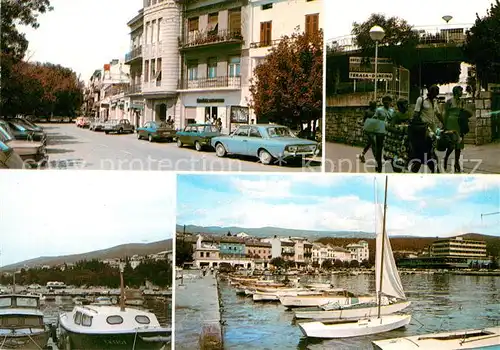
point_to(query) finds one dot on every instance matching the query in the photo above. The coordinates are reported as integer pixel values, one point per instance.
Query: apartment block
(459, 247)
(359, 251)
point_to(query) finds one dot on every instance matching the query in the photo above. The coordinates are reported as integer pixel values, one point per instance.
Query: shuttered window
(312, 24)
(265, 33)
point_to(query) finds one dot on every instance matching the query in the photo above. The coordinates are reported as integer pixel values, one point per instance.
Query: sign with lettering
(210, 100)
(370, 76)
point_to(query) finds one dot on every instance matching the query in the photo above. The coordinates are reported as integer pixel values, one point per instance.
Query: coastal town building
(458, 247)
(359, 251)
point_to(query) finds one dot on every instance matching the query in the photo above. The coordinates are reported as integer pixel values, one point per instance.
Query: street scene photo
(81, 268)
(162, 85)
(323, 261)
(413, 89)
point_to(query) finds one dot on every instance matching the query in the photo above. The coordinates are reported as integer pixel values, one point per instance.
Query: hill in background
(119, 251)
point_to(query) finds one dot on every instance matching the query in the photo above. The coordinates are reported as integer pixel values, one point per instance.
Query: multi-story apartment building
(212, 61)
(258, 250)
(154, 61)
(273, 19)
(135, 61)
(359, 251)
(232, 247)
(459, 247)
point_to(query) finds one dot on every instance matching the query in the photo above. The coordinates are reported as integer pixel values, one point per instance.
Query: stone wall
(345, 124)
(480, 123)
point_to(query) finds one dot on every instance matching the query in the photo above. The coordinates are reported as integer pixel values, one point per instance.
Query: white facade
(359, 251)
(276, 19)
(275, 246)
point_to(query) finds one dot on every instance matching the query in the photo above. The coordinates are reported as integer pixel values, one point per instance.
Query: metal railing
(133, 89)
(441, 34)
(211, 83)
(132, 55)
(208, 37)
(269, 43)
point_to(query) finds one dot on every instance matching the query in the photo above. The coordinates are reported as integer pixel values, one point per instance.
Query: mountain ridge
(121, 250)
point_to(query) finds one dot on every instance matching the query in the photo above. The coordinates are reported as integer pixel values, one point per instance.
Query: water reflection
(439, 303)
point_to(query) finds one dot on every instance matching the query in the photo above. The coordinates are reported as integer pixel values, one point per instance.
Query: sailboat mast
(382, 251)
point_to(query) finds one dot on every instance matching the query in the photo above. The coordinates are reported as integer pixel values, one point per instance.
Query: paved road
(476, 160)
(70, 147)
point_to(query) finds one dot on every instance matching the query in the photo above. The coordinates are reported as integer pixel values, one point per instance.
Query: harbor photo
(84, 268)
(337, 262)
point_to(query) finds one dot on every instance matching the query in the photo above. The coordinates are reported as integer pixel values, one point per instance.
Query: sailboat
(388, 283)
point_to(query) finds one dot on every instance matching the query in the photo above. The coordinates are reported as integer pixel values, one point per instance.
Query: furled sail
(391, 282)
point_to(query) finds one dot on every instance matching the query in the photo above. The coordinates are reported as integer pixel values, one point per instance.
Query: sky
(425, 206)
(53, 213)
(417, 13)
(82, 34)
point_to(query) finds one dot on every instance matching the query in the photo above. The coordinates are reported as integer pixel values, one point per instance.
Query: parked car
(9, 159)
(23, 132)
(118, 126)
(97, 125)
(29, 124)
(31, 152)
(268, 142)
(197, 135)
(156, 131)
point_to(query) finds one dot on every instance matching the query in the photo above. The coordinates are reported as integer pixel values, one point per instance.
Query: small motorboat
(486, 338)
(21, 323)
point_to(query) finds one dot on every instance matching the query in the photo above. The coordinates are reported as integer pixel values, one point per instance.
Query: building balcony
(133, 55)
(133, 89)
(261, 44)
(204, 38)
(211, 83)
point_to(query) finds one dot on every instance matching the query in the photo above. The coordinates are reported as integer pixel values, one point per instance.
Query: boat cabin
(98, 317)
(20, 311)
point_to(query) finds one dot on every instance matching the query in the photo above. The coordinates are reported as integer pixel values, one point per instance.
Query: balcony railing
(269, 43)
(203, 38)
(134, 89)
(134, 54)
(211, 83)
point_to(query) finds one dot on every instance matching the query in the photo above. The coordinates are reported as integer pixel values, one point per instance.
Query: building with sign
(213, 62)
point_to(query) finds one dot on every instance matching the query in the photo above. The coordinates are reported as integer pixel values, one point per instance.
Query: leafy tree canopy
(16, 12)
(482, 46)
(287, 88)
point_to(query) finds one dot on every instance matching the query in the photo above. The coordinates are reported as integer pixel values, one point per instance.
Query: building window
(312, 24)
(201, 254)
(234, 16)
(146, 71)
(146, 31)
(265, 33)
(212, 68)
(192, 67)
(193, 24)
(267, 6)
(153, 31)
(153, 69)
(158, 32)
(234, 66)
(213, 22)
(158, 73)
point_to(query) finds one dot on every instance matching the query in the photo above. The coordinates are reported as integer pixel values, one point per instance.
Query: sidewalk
(475, 159)
(197, 312)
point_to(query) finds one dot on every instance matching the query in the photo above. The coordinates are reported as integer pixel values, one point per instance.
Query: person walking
(453, 116)
(422, 131)
(369, 113)
(375, 126)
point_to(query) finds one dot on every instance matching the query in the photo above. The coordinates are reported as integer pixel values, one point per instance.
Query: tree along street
(72, 148)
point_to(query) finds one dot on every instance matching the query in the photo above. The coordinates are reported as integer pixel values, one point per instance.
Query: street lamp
(447, 19)
(377, 34)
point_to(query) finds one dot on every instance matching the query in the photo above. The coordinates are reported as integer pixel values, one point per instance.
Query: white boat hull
(352, 313)
(463, 339)
(358, 328)
(311, 301)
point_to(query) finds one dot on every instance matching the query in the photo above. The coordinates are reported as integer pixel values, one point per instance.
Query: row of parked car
(22, 144)
(270, 143)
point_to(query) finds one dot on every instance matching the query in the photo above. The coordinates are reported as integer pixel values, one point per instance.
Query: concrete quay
(198, 312)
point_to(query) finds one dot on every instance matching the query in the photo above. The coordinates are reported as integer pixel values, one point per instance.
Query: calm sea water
(440, 302)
